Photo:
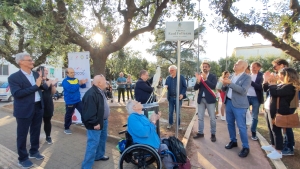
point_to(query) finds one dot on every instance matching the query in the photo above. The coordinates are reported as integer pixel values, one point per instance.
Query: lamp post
(198, 62)
(226, 57)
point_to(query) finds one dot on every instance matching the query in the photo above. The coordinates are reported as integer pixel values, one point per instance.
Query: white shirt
(31, 79)
(251, 91)
(203, 95)
(234, 78)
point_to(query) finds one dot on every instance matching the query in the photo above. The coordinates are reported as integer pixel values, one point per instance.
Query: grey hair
(129, 107)
(172, 66)
(20, 56)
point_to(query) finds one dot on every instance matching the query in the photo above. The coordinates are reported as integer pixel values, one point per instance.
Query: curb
(263, 142)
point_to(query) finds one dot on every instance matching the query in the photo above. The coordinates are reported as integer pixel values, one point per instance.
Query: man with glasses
(72, 99)
(26, 87)
(171, 84)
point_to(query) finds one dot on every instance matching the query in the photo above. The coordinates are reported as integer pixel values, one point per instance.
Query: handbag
(286, 121)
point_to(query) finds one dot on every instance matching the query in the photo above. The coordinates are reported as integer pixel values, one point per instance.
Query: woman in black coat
(285, 92)
(48, 102)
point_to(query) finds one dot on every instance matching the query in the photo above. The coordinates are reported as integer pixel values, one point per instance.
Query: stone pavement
(66, 152)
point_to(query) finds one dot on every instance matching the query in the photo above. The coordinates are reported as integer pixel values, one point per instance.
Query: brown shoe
(198, 135)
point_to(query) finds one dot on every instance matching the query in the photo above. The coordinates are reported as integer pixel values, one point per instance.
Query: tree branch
(237, 23)
(21, 35)
(126, 36)
(288, 32)
(8, 35)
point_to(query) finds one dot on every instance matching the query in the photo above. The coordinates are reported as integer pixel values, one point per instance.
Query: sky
(216, 42)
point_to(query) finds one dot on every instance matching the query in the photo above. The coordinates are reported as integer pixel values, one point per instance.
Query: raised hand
(38, 81)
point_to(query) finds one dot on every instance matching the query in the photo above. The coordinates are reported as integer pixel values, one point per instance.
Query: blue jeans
(239, 115)
(255, 110)
(212, 114)
(289, 140)
(69, 113)
(95, 146)
(172, 107)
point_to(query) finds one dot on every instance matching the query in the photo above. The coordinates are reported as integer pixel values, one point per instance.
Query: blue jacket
(172, 83)
(142, 91)
(142, 130)
(211, 83)
(71, 90)
(24, 94)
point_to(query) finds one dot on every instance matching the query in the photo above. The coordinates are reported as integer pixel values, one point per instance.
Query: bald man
(95, 118)
(236, 88)
(71, 87)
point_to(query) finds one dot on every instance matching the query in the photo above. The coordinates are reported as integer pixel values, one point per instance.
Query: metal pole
(226, 52)
(198, 62)
(177, 88)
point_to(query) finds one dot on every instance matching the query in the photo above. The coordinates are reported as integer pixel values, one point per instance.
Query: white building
(7, 69)
(257, 49)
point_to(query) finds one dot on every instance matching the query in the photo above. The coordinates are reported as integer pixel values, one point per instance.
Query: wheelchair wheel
(140, 156)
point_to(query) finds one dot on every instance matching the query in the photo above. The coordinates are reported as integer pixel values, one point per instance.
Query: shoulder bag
(286, 121)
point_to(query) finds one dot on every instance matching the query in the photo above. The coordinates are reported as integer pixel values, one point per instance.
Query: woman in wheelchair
(147, 150)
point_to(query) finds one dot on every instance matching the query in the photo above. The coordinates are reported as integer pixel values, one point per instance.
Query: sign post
(178, 31)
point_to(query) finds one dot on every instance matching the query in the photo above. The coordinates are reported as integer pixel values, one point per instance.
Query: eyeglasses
(29, 60)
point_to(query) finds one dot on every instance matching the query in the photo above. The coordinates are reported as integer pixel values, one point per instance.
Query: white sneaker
(169, 126)
(274, 155)
(223, 118)
(268, 148)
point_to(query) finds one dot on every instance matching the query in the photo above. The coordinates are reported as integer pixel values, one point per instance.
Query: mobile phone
(43, 71)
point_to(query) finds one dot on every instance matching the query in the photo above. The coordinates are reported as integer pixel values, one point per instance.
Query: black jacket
(257, 85)
(211, 83)
(93, 108)
(142, 91)
(286, 94)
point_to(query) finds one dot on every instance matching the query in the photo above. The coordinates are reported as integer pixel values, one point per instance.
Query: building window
(3, 69)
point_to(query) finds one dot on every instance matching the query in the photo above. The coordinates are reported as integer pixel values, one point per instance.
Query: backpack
(177, 148)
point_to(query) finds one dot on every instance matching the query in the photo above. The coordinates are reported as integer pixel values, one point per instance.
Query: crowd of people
(32, 92)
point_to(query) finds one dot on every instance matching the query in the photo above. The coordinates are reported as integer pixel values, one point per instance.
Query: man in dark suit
(25, 86)
(255, 95)
(143, 89)
(206, 100)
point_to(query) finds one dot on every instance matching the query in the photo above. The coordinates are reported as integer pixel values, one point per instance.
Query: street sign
(178, 31)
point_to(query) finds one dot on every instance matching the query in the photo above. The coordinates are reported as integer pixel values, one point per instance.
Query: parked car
(5, 94)
(60, 88)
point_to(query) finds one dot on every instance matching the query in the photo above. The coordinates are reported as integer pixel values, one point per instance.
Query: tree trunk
(99, 62)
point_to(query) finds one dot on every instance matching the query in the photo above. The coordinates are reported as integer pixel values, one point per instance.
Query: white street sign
(178, 31)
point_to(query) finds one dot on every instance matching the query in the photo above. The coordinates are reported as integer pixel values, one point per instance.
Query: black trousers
(121, 91)
(129, 90)
(33, 125)
(47, 125)
(69, 113)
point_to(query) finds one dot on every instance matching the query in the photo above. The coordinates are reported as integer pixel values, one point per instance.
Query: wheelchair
(139, 155)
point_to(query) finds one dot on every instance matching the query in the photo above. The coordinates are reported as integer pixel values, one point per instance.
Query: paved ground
(207, 154)
(67, 152)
